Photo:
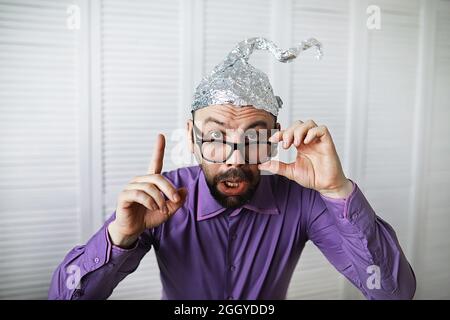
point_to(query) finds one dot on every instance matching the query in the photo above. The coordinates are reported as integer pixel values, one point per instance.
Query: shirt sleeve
(361, 246)
(93, 270)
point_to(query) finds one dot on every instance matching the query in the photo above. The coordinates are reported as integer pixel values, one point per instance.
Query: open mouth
(230, 184)
(232, 187)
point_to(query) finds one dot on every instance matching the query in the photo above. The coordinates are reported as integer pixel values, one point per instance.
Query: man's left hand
(317, 165)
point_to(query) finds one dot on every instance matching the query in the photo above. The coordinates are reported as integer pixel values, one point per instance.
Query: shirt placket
(232, 218)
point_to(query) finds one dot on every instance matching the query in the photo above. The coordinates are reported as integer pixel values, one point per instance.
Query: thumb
(277, 167)
(174, 206)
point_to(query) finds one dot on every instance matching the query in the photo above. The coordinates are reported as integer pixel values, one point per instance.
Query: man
(222, 230)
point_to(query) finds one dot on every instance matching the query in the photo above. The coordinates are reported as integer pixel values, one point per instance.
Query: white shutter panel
(319, 92)
(39, 213)
(391, 74)
(434, 276)
(140, 91)
(392, 59)
(229, 22)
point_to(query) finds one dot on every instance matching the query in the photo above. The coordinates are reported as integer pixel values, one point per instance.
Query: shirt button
(96, 260)
(230, 298)
(232, 268)
(233, 237)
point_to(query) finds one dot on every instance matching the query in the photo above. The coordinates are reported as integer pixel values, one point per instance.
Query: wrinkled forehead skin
(233, 117)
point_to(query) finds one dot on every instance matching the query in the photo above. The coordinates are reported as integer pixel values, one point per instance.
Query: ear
(190, 135)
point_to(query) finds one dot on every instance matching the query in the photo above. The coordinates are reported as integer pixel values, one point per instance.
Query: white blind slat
(39, 209)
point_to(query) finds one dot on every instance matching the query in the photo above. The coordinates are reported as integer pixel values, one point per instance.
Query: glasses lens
(216, 151)
(258, 152)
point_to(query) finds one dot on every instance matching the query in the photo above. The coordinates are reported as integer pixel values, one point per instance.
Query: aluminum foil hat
(236, 82)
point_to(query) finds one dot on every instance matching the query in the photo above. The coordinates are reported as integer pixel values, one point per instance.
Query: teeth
(231, 184)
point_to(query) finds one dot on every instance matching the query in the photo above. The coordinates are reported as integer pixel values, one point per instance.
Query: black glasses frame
(234, 145)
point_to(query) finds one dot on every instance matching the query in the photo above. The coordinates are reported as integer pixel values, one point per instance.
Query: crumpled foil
(235, 81)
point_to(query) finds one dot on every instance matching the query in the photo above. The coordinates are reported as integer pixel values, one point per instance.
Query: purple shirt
(206, 251)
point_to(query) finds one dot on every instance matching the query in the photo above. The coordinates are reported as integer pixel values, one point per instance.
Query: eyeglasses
(219, 151)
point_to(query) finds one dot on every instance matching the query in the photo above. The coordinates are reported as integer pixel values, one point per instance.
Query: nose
(236, 158)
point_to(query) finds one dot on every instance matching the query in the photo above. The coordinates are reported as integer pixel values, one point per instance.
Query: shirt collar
(263, 200)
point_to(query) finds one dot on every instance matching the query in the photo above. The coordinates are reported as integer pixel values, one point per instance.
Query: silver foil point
(235, 81)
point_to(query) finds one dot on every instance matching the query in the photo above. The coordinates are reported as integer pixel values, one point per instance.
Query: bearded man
(234, 226)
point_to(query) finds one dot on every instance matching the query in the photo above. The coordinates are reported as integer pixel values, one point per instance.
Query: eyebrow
(211, 119)
(257, 123)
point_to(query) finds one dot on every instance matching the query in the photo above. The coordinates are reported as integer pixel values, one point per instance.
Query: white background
(80, 109)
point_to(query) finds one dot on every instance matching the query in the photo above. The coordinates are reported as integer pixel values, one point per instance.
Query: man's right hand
(141, 204)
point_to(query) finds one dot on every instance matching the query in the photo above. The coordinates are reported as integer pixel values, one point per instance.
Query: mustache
(234, 174)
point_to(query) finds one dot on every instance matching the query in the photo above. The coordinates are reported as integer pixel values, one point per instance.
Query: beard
(233, 197)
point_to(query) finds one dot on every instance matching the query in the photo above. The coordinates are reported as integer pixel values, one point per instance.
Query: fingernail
(176, 197)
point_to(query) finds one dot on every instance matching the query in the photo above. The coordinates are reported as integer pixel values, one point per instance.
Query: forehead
(233, 116)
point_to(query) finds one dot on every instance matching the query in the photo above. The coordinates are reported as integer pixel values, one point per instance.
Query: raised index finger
(156, 163)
